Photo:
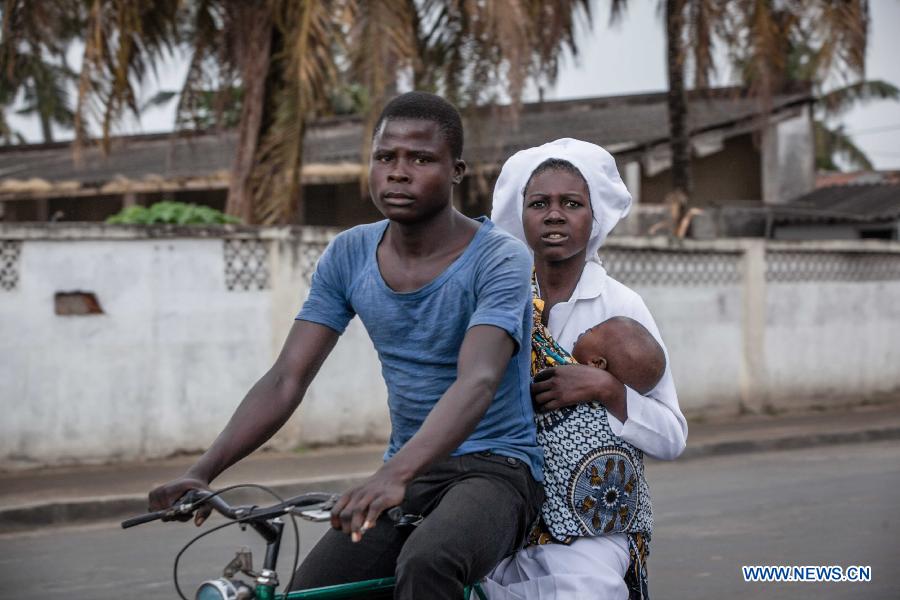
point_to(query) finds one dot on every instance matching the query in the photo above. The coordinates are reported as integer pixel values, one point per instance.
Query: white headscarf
(610, 200)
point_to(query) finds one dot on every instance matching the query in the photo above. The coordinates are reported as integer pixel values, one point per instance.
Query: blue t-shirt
(418, 334)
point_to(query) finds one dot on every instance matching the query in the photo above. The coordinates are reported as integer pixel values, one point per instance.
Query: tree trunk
(678, 111)
(255, 52)
(46, 127)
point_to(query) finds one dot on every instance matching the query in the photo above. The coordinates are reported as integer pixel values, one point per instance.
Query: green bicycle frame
(347, 591)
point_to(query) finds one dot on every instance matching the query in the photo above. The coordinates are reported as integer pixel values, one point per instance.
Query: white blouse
(654, 423)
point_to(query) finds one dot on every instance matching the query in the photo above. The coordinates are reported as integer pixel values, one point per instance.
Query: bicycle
(267, 522)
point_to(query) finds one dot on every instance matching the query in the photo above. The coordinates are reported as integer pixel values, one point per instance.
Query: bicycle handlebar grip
(141, 519)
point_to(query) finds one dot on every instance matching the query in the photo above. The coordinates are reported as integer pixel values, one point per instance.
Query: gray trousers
(478, 509)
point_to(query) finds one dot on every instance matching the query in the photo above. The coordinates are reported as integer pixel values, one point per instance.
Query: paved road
(833, 505)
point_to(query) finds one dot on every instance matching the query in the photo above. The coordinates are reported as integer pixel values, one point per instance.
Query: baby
(626, 349)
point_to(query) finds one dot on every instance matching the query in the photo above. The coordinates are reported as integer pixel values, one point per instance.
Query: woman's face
(557, 215)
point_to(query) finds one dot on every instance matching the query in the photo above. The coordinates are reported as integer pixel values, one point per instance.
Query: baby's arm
(655, 423)
(632, 354)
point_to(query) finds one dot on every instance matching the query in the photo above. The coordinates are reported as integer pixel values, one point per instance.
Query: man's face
(557, 215)
(412, 170)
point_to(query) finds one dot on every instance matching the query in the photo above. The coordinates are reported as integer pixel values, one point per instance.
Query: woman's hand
(568, 385)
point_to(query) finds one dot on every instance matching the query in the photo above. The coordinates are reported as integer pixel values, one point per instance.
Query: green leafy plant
(175, 213)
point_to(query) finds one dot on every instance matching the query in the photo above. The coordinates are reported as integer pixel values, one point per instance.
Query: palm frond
(8, 135)
(160, 98)
(123, 39)
(381, 43)
(617, 9)
(476, 52)
(309, 72)
(842, 27)
(832, 143)
(841, 99)
(551, 31)
(32, 59)
(706, 28)
(211, 94)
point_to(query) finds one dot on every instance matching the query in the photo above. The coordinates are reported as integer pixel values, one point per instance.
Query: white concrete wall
(817, 327)
(175, 351)
(788, 161)
(171, 357)
(702, 332)
(145, 377)
(832, 342)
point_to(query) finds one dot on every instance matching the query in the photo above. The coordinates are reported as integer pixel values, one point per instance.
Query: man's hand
(167, 494)
(359, 508)
(568, 385)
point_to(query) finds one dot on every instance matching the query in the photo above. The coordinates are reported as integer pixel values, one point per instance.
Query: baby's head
(626, 349)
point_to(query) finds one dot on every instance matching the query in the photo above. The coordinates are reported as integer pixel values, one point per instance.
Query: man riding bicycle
(446, 301)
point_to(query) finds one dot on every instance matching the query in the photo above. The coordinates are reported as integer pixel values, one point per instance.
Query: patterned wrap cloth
(594, 480)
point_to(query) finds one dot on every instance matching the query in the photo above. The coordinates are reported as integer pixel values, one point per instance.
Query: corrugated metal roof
(619, 123)
(832, 178)
(863, 202)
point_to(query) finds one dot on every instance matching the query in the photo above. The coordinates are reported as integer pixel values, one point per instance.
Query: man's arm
(483, 359)
(266, 407)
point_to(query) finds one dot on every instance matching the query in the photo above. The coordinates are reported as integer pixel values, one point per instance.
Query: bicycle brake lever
(184, 505)
(317, 515)
(179, 510)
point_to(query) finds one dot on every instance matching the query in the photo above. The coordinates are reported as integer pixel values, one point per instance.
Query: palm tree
(816, 48)
(122, 42)
(289, 57)
(758, 35)
(472, 53)
(676, 102)
(833, 142)
(691, 27)
(33, 63)
(463, 50)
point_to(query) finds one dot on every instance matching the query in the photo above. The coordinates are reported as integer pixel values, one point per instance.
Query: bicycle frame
(359, 589)
(363, 589)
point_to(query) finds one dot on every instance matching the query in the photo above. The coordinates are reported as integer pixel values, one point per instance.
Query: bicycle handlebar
(141, 519)
(193, 499)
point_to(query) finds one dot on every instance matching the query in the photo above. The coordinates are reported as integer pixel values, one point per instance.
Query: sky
(627, 58)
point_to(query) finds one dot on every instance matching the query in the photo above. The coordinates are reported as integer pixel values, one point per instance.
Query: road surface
(834, 505)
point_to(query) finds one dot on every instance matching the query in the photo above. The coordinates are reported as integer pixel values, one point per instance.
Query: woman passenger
(562, 199)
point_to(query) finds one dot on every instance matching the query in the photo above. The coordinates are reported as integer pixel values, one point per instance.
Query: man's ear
(600, 363)
(459, 171)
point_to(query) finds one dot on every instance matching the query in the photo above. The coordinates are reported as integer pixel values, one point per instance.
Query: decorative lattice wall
(9, 264)
(246, 265)
(789, 266)
(643, 267)
(309, 256)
